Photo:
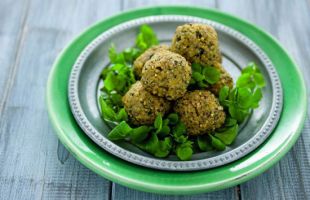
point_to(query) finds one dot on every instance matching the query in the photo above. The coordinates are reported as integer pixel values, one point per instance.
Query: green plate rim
(151, 180)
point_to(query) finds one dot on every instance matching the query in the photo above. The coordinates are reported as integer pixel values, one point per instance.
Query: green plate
(145, 179)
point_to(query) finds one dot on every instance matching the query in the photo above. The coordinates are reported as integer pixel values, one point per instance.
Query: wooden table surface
(35, 165)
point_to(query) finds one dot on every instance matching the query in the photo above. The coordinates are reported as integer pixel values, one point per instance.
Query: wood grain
(119, 193)
(289, 22)
(129, 4)
(13, 15)
(29, 166)
(34, 165)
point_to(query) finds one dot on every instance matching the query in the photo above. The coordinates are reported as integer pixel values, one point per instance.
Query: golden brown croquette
(143, 107)
(200, 111)
(167, 75)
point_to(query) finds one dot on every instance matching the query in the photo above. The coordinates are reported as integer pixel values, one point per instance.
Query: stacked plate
(268, 134)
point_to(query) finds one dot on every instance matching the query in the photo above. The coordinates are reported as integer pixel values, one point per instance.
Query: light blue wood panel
(129, 4)
(119, 193)
(289, 22)
(29, 149)
(12, 21)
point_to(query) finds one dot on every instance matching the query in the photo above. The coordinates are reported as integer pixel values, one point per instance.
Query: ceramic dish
(237, 50)
(275, 146)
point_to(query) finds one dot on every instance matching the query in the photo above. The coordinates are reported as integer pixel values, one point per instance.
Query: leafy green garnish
(124, 132)
(116, 58)
(146, 38)
(228, 135)
(224, 92)
(165, 130)
(204, 143)
(151, 144)
(158, 123)
(172, 131)
(108, 112)
(147, 138)
(179, 133)
(173, 118)
(140, 133)
(184, 151)
(163, 148)
(120, 132)
(245, 96)
(211, 74)
(203, 76)
(130, 54)
(217, 144)
(118, 77)
(159, 148)
(221, 137)
(251, 77)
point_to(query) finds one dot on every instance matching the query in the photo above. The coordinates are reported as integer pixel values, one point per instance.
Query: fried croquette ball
(147, 55)
(167, 75)
(197, 43)
(143, 107)
(200, 111)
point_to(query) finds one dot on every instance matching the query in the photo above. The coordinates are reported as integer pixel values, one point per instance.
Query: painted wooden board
(29, 165)
(34, 165)
(119, 193)
(12, 25)
(289, 22)
(129, 4)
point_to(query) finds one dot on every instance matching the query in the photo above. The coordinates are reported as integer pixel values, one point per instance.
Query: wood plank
(12, 21)
(289, 22)
(119, 192)
(29, 166)
(127, 4)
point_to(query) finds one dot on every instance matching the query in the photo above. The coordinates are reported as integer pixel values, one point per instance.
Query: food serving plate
(237, 39)
(237, 50)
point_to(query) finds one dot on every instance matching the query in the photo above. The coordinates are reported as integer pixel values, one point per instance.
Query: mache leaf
(158, 123)
(223, 93)
(217, 144)
(120, 132)
(121, 115)
(107, 112)
(179, 129)
(146, 38)
(257, 96)
(112, 53)
(164, 148)
(151, 144)
(139, 134)
(229, 135)
(165, 130)
(184, 151)
(211, 74)
(198, 77)
(244, 98)
(196, 67)
(203, 143)
(173, 118)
